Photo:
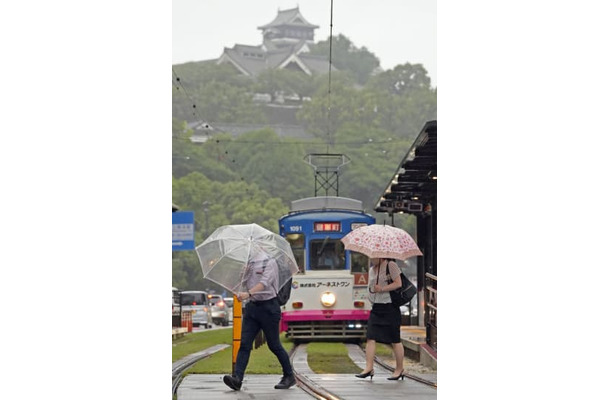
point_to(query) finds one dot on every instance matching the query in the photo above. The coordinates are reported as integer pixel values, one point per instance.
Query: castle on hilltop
(286, 42)
(285, 45)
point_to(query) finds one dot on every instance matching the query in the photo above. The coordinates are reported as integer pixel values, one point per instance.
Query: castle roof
(252, 60)
(285, 46)
(290, 17)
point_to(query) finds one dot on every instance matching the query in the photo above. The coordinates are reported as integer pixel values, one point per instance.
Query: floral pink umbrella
(381, 241)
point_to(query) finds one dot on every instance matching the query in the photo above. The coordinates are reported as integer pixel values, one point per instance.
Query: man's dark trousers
(263, 315)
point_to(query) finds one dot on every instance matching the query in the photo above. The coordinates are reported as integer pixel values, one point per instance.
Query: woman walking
(384, 320)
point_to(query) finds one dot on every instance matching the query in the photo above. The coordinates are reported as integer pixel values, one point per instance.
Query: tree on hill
(189, 157)
(315, 115)
(214, 93)
(374, 156)
(402, 79)
(275, 165)
(347, 57)
(233, 202)
(406, 99)
(284, 81)
(399, 102)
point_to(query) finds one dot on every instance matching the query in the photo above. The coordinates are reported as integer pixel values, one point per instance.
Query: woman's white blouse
(383, 297)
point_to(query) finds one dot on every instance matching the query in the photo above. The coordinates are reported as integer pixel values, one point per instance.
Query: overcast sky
(396, 31)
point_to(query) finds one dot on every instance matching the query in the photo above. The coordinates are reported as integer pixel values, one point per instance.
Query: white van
(196, 301)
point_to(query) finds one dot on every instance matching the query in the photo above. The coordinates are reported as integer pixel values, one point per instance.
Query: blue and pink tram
(329, 297)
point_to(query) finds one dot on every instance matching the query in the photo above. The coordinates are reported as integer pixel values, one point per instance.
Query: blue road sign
(183, 230)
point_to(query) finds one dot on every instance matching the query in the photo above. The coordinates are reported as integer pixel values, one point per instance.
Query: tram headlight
(328, 299)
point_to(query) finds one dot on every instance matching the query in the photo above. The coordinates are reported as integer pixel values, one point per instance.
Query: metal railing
(431, 309)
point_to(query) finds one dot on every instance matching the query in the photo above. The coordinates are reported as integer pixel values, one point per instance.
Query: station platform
(414, 341)
(211, 387)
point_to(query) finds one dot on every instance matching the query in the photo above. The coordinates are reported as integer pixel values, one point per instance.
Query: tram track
(185, 363)
(306, 384)
(302, 373)
(389, 368)
(307, 380)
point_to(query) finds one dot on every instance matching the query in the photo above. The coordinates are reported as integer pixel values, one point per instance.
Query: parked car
(229, 303)
(220, 312)
(196, 301)
(175, 307)
(175, 299)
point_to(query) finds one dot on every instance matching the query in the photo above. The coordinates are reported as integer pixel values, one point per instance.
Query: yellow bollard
(236, 329)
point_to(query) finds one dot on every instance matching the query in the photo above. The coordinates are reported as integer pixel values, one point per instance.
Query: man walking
(261, 281)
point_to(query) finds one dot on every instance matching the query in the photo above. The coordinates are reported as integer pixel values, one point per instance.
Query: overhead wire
(330, 57)
(190, 98)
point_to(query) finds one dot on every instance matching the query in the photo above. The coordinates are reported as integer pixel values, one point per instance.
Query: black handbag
(404, 293)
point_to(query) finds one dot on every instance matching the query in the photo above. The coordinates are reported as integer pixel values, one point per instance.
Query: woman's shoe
(395, 378)
(366, 375)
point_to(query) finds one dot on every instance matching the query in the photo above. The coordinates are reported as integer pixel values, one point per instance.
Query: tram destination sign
(183, 230)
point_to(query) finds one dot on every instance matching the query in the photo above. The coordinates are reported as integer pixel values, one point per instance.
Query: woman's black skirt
(384, 324)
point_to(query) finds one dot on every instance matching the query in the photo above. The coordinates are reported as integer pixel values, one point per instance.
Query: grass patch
(330, 358)
(323, 357)
(198, 341)
(262, 360)
(381, 349)
(384, 350)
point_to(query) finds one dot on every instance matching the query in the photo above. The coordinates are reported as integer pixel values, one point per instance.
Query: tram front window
(326, 254)
(297, 244)
(360, 263)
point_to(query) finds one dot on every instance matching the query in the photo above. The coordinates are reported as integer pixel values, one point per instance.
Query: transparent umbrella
(225, 254)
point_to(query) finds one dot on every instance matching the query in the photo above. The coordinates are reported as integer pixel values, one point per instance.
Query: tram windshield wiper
(323, 244)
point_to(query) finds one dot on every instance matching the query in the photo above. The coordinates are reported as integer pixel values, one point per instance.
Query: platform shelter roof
(412, 188)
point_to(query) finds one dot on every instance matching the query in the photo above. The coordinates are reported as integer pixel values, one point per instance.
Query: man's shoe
(286, 382)
(232, 382)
